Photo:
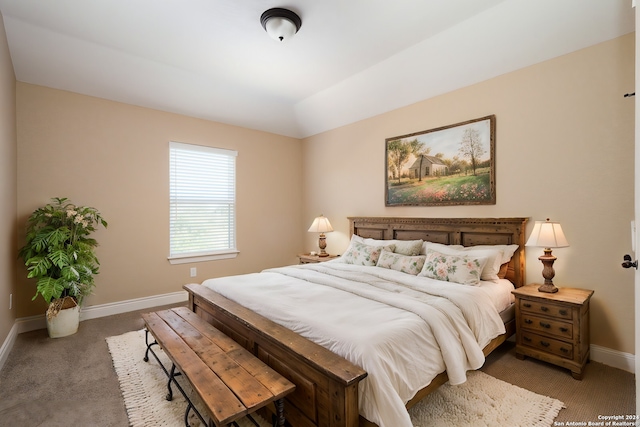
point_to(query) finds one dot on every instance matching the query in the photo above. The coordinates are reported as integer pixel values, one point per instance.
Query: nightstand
(309, 259)
(553, 327)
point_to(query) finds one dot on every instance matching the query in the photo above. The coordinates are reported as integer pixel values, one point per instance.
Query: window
(202, 199)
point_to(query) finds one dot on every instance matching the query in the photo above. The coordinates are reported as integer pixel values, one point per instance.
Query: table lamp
(547, 235)
(321, 225)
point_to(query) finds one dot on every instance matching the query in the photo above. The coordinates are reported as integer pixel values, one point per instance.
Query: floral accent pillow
(404, 247)
(462, 269)
(491, 267)
(406, 264)
(361, 254)
(408, 247)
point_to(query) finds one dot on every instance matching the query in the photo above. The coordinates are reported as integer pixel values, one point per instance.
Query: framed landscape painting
(450, 165)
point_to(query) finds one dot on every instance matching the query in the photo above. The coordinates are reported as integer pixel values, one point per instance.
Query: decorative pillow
(408, 247)
(404, 247)
(464, 269)
(361, 254)
(371, 242)
(406, 264)
(492, 266)
(357, 239)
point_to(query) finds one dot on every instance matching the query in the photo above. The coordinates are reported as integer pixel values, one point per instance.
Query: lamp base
(322, 243)
(548, 288)
(548, 272)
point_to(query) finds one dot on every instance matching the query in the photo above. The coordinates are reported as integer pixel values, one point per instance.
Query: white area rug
(484, 401)
(481, 401)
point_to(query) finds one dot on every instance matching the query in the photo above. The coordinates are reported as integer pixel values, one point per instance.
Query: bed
(331, 390)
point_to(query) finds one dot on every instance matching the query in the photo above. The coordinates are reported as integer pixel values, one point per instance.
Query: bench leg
(172, 375)
(186, 415)
(146, 341)
(195, 411)
(150, 350)
(279, 421)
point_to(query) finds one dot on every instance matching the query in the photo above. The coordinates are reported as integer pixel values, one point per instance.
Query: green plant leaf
(39, 241)
(38, 266)
(70, 273)
(58, 236)
(49, 288)
(59, 258)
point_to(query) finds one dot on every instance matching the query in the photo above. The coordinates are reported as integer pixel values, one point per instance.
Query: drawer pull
(545, 325)
(544, 344)
(564, 312)
(543, 308)
(527, 339)
(526, 304)
(528, 321)
(564, 350)
(564, 329)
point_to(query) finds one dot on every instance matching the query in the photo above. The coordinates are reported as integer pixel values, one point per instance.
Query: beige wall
(8, 147)
(564, 150)
(115, 157)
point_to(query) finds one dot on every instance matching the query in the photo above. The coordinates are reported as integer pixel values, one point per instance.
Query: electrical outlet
(10, 301)
(194, 272)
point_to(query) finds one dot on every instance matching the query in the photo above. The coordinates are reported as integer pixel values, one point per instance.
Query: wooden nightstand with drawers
(553, 327)
(312, 259)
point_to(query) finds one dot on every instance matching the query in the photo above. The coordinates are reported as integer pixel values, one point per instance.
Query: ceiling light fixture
(280, 24)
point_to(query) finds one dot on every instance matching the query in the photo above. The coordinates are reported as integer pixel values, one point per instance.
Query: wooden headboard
(451, 231)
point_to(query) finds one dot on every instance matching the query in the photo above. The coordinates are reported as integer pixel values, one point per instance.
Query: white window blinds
(202, 201)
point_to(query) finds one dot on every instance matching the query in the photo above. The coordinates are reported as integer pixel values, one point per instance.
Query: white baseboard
(33, 323)
(615, 358)
(103, 310)
(7, 345)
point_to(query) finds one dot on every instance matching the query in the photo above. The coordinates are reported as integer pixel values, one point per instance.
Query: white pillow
(438, 246)
(493, 262)
(356, 238)
(507, 250)
(406, 264)
(465, 269)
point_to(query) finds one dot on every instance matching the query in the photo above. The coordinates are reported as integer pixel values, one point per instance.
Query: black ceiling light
(280, 24)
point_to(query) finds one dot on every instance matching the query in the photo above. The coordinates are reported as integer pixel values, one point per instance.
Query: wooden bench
(230, 381)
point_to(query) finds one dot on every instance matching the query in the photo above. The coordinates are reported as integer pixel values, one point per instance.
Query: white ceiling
(351, 59)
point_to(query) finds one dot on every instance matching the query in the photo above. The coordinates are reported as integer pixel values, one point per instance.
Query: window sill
(185, 259)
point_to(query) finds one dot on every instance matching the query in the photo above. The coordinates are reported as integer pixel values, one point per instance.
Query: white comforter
(402, 329)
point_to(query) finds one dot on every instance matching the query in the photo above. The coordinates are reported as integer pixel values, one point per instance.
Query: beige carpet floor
(603, 390)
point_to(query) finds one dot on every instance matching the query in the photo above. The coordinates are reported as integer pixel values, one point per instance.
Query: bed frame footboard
(326, 384)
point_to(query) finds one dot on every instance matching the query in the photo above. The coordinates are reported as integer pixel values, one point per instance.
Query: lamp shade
(320, 225)
(547, 234)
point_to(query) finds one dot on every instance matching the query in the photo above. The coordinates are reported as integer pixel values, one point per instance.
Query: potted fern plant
(60, 254)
